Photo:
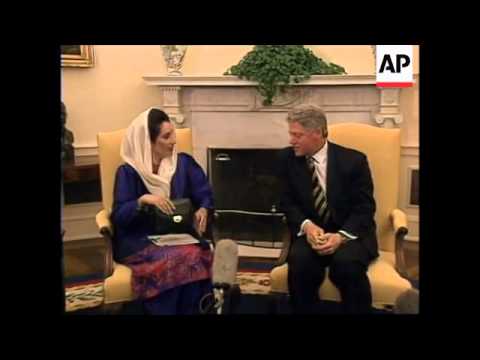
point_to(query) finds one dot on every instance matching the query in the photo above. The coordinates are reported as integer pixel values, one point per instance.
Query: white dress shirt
(321, 162)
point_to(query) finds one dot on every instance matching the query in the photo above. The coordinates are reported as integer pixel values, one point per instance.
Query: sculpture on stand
(68, 153)
(174, 55)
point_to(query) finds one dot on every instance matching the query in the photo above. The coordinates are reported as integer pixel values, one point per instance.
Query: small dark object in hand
(180, 222)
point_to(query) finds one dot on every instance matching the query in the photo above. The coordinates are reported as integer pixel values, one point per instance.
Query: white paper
(173, 239)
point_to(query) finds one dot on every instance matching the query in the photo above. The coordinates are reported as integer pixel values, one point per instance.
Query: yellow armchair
(386, 273)
(117, 284)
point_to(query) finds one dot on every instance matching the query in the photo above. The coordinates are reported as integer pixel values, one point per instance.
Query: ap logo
(394, 65)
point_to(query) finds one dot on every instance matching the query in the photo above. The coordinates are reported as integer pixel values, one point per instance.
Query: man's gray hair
(309, 116)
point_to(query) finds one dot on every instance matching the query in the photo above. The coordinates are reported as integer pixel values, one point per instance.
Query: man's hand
(201, 216)
(331, 243)
(313, 233)
(161, 202)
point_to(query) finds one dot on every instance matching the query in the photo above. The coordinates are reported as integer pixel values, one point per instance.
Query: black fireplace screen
(246, 191)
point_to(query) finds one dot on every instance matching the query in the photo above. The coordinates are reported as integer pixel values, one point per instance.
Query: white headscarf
(136, 150)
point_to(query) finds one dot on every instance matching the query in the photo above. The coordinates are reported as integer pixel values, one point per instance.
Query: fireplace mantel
(387, 113)
(315, 80)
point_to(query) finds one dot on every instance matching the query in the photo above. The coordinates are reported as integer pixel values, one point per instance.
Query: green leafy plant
(275, 66)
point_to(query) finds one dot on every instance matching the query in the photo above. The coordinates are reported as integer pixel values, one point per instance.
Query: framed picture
(414, 188)
(77, 55)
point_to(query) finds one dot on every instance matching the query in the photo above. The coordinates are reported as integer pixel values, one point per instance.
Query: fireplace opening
(246, 191)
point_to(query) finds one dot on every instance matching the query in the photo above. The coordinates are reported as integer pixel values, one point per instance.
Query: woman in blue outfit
(169, 279)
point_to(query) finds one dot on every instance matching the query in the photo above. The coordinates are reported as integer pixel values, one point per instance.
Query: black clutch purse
(180, 222)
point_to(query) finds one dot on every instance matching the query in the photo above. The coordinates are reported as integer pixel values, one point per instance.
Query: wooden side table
(83, 168)
(81, 179)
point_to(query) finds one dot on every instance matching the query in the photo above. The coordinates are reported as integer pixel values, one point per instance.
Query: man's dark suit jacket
(349, 194)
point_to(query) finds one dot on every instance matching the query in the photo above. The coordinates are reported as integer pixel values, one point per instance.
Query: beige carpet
(84, 296)
(91, 295)
(254, 283)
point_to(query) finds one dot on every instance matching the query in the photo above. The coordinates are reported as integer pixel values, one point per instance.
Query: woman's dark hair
(155, 119)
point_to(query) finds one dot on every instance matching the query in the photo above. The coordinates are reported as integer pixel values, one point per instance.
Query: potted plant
(275, 66)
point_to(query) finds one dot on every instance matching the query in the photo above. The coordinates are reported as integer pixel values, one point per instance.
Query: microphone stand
(225, 299)
(228, 297)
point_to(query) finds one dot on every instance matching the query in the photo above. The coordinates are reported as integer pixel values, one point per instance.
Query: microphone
(224, 271)
(225, 263)
(407, 302)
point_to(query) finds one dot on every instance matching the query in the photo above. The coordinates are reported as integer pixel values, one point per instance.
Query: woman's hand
(201, 216)
(162, 203)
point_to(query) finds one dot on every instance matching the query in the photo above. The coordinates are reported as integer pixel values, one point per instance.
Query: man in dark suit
(328, 200)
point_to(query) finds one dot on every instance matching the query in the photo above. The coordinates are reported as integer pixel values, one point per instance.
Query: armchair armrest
(400, 227)
(103, 222)
(105, 228)
(399, 219)
(209, 228)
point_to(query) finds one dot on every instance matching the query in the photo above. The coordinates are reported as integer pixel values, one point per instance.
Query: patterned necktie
(319, 198)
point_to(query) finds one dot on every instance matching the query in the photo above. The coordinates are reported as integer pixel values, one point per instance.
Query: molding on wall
(86, 150)
(79, 217)
(413, 222)
(410, 150)
(413, 218)
(88, 236)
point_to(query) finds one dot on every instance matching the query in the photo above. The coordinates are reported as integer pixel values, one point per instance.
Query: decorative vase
(174, 55)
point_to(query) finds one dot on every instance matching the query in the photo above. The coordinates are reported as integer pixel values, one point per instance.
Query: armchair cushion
(387, 284)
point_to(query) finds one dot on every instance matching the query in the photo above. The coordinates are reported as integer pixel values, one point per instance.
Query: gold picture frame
(77, 55)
